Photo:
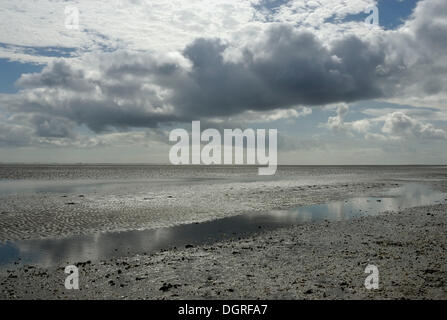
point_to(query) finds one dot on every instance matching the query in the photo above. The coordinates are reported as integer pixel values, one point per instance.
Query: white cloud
(338, 123)
(161, 25)
(396, 125)
(251, 116)
(400, 125)
(148, 25)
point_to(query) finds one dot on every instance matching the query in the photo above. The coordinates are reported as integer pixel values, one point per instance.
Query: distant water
(132, 172)
(20, 179)
(112, 244)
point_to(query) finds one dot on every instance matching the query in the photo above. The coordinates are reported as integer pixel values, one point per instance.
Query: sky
(109, 84)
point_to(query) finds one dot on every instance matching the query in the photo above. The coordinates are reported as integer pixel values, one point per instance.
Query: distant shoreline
(213, 166)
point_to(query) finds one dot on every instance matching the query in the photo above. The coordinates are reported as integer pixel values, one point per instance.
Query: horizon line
(203, 165)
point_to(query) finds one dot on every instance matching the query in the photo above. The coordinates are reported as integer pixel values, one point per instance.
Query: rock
(309, 291)
(430, 271)
(165, 287)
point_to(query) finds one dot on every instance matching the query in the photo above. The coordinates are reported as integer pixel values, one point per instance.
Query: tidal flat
(306, 233)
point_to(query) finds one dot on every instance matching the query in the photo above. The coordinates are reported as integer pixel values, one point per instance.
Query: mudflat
(315, 259)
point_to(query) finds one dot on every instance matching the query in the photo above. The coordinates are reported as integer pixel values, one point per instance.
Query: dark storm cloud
(289, 69)
(101, 115)
(98, 115)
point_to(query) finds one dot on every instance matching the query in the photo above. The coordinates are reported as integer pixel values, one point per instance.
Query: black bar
(223, 309)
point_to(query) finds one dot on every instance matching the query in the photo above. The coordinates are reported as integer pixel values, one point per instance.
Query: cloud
(251, 117)
(338, 123)
(418, 50)
(155, 25)
(395, 126)
(14, 135)
(57, 74)
(399, 125)
(284, 68)
(46, 126)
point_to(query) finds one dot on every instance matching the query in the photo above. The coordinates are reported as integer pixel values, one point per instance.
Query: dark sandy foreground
(312, 261)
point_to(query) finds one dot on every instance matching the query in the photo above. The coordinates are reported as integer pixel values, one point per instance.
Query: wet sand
(131, 205)
(311, 261)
